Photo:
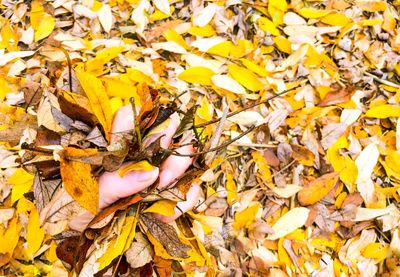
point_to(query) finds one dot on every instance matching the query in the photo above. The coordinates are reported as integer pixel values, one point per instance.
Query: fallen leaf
(163, 207)
(246, 217)
(78, 180)
(317, 189)
(166, 236)
(98, 99)
(197, 75)
(384, 111)
(140, 252)
(292, 220)
(34, 234)
(139, 166)
(245, 77)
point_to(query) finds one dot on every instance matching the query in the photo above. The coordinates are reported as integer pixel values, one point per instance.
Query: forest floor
(294, 106)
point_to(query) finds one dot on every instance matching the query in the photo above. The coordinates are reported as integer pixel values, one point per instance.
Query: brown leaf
(66, 250)
(157, 31)
(116, 206)
(32, 93)
(46, 136)
(166, 235)
(44, 190)
(302, 155)
(338, 96)
(77, 107)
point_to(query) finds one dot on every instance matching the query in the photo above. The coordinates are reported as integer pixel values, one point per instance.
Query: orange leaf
(78, 179)
(317, 189)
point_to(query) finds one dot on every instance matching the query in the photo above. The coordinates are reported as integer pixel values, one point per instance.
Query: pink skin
(113, 187)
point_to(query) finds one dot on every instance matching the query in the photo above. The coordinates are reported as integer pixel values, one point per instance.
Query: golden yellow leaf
(163, 207)
(340, 268)
(371, 22)
(384, 111)
(159, 249)
(172, 35)
(259, 70)
(34, 234)
(372, 6)
(223, 49)
(139, 166)
(289, 222)
(283, 44)
(119, 243)
(78, 180)
(206, 31)
(303, 155)
(268, 26)
(198, 75)
(45, 27)
(263, 168)
(245, 77)
(246, 217)
(317, 189)
(376, 250)
(231, 189)
(21, 182)
(276, 9)
(204, 111)
(96, 65)
(98, 99)
(336, 19)
(313, 13)
(4, 88)
(349, 173)
(283, 255)
(9, 239)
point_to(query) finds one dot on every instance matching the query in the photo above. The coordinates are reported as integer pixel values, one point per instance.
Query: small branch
(246, 108)
(69, 67)
(382, 81)
(225, 144)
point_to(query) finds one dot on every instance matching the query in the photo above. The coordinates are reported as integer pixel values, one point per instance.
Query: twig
(69, 67)
(382, 81)
(246, 108)
(175, 153)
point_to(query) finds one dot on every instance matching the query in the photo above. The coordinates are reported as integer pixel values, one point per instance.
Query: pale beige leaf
(140, 252)
(228, 83)
(292, 220)
(162, 5)
(365, 163)
(204, 16)
(105, 17)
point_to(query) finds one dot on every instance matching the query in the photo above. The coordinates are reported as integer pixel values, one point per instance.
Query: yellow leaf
(206, 31)
(263, 168)
(313, 13)
(4, 88)
(78, 180)
(261, 71)
(268, 26)
(138, 76)
(276, 9)
(45, 27)
(203, 111)
(375, 250)
(34, 234)
(372, 6)
(371, 22)
(231, 189)
(245, 77)
(172, 35)
(283, 44)
(223, 49)
(116, 103)
(289, 222)
(103, 57)
(37, 14)
(198, 75)
(349, 173)
(163, 207)
(339, 268)
(246, 217)
(139, 166)
(384, 111)
(9, 239)
(317, 189)
(98, 99)
(336, 19)
(119, 243)
(159, 249)
(283, 255)
(21, 182)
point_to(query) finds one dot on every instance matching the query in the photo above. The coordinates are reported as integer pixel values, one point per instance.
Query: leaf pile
(306, 183)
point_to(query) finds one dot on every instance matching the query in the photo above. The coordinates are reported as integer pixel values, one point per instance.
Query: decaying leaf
(166, 235)
(140, 252)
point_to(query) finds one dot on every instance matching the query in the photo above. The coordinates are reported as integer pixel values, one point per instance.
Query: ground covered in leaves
(311, 187)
